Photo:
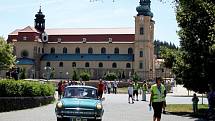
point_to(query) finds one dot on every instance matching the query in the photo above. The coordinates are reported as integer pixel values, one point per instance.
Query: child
(195, 101)
(130, 93)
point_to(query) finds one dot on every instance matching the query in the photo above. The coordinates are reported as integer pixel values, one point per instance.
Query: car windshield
(80, 92)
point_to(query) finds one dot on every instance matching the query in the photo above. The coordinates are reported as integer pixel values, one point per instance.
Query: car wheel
(59, 119)
(99, 120)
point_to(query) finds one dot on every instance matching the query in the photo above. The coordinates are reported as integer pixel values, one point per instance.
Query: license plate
(78, 119)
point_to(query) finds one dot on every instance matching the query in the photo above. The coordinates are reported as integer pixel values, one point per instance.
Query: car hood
(79, 103)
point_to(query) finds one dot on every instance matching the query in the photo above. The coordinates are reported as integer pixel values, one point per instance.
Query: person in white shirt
(130, 93)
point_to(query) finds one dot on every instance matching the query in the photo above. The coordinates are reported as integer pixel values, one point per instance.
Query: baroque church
(62, 51)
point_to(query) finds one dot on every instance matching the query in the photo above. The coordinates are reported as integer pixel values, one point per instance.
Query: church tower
(39, 21)
(144, 36)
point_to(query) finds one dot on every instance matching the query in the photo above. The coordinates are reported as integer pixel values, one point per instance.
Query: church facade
(95, 50)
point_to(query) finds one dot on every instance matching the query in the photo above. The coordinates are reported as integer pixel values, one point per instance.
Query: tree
(135, 77)
(23, 73)
(196, 19)
(75, 76)
(85, 76)
(7, 59)
(110, 76)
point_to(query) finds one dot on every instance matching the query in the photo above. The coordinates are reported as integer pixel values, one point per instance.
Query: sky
(17, 14)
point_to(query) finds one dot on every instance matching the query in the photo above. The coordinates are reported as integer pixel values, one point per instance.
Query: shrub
(110, 76)
(136, 77)
(75, 76)
(23, 74)
(85, 76)
(21, 88)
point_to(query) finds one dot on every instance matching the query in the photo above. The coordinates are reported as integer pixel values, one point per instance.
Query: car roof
(81, 86)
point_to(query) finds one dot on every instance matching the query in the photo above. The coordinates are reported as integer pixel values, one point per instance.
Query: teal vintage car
(79, 103)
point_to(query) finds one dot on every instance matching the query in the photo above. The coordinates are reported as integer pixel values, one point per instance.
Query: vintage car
(79, 103)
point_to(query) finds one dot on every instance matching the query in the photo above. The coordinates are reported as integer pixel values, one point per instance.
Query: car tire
(99, 120)
(59, 119)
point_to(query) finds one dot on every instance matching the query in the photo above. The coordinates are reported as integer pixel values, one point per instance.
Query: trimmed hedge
(18, 103)
(21, 88)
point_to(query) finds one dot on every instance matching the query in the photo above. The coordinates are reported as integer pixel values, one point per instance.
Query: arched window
(141, 53)
(48, 64)
(77, 50)
(100, 64)
(74, 64)
(116, 51)
(141, 30)
(141, 65)
(87, 64)
(128, 65)
(130, 51)
(103, 50)
(52, 50)
(61, 64)
(90, 51)
(64, 50)
(114, 65)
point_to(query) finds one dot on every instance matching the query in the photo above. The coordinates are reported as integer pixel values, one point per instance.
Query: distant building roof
(24, 61)
(87, 57)
(89, 31)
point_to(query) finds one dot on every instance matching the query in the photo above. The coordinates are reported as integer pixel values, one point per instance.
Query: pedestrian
(136, 88)
(195, 101)
(115, 84)
(157, 98)
(109, 86)
(143, 90)
(130, 93)
(100, 89)
(60, 89)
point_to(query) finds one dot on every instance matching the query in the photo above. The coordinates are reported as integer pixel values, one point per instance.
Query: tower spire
(39, 21)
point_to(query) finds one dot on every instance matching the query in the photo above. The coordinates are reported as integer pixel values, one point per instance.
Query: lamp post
(47, 71)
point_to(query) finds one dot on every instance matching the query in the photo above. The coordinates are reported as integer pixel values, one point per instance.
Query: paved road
(116, 109)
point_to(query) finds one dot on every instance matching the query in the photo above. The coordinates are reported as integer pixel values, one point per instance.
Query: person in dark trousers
(195, 101)
(136, 88)
(60, 89)
(157, 98)
(100, 89)
(115, 87)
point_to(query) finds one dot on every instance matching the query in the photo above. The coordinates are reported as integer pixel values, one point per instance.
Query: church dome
(144, 8)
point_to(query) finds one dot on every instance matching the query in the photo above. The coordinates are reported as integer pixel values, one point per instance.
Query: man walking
(136, 87)
(143, 90)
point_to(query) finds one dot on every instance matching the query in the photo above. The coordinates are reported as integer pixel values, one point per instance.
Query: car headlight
(99, 106)
(59, 105)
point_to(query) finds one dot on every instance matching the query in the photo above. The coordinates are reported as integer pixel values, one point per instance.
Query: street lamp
(48, 72)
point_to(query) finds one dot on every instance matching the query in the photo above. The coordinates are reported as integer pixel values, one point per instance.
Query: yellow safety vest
(136, 86)
(158, 96)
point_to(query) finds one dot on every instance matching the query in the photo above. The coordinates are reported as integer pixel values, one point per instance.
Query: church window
(48, 64)
(52, 50)
(74, 64)
(128, 65)
(90, 51)
(114, 65)
(100, 64)
(141, 53)
(141, 65)
(77, 50)
(103, 50)
(87, 64)
(141, 30)
(61, 64)
(130, 51)
(116, 51)
(64, 50)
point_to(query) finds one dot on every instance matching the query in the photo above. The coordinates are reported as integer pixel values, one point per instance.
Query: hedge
(21, 88)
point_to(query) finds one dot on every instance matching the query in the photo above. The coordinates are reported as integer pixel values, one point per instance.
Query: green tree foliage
(196, 19)
(173, 60)
(159, 44)
(7, 59)
(135, 77)
(75, 76)
(85, 76)
(110, 76)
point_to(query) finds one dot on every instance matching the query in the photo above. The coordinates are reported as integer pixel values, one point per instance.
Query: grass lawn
(186, 109)
(123, 90)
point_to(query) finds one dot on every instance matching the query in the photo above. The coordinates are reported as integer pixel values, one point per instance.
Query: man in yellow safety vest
(157, 99)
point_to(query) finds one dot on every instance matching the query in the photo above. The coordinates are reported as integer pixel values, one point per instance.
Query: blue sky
(85, 14)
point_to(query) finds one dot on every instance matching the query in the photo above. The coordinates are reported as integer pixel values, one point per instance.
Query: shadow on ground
(201, 115)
